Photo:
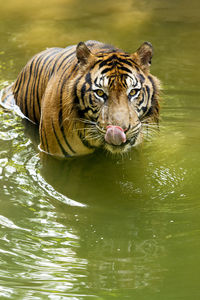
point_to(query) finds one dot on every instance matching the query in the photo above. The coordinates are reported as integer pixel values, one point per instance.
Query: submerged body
(86, 97)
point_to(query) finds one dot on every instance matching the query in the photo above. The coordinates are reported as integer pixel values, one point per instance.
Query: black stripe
(62, 130)
(111, 80)
(39, 76)
(66, 141)
(61, 94)
(18, 82)
(27, 87)
(34, 112)
(16, 89)
(87, 109)
(60, 118)
(153, 85)
(61, 77)
(119, 67)
(88, 78)
(35, 84)
(65, 60)
(136, 81)
(76, 98)
(46, 69)
(148, 91)
(20, 93)
(95, 82)
(145, 109)
(142, 100)
(141, 78)
(37, 73)
(45, 137)
(106, 70)
(106, 61)
(85, 143)
(37, 64)
(71, 73)
(33, 89)
(83, 88)
(154, 105)
(125, 61)
(59, 143)
(154, 90)
(90, 100)
(55, 64)
(123, 82)
(124, 69)
(116, 59)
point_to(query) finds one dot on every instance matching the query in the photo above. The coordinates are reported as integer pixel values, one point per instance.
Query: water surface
(96, 227)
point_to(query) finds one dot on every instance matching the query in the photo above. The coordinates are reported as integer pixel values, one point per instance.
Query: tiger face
(116, 96)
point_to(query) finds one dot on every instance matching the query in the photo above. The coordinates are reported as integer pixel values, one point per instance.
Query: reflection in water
(90, 223)
(93, 221)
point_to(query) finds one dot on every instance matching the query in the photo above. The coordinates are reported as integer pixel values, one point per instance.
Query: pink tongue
(115, 135)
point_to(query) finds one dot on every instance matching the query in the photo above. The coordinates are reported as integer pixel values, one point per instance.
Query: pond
(96, 227)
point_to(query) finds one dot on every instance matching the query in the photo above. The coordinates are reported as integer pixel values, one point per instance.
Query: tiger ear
(143, 56)
(83, 53)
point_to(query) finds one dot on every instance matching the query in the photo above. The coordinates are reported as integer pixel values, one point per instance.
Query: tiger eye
(100, 93)
(132, 92)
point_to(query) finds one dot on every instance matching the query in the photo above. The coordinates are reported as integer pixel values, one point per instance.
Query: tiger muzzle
(115, 135)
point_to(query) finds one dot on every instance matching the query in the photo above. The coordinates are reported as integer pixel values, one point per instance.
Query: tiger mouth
(125, 147)
(114, 137)
(99, 141)
(131, 141)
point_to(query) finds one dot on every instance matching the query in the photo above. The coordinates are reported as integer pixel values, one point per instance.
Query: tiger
(86, 97)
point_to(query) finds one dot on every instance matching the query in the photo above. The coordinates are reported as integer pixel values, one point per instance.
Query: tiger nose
(120, 119)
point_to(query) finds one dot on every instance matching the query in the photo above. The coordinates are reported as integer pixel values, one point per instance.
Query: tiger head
(116, 96)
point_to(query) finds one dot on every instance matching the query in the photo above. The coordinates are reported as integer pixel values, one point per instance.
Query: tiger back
(87, 96)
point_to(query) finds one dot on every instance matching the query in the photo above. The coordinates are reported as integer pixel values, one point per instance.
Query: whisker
(150, 130)
(149, 134)
(86, 121)
(150, 124)
(93, 137)
(84, 128)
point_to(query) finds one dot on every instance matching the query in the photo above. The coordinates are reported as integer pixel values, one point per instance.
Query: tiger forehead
(109, 81)
(116, 69)
(113, 58)
(116, 63)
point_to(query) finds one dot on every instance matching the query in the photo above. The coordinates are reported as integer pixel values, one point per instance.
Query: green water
(95, 227)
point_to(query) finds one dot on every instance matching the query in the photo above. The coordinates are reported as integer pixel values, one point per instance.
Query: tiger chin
(86, 97)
